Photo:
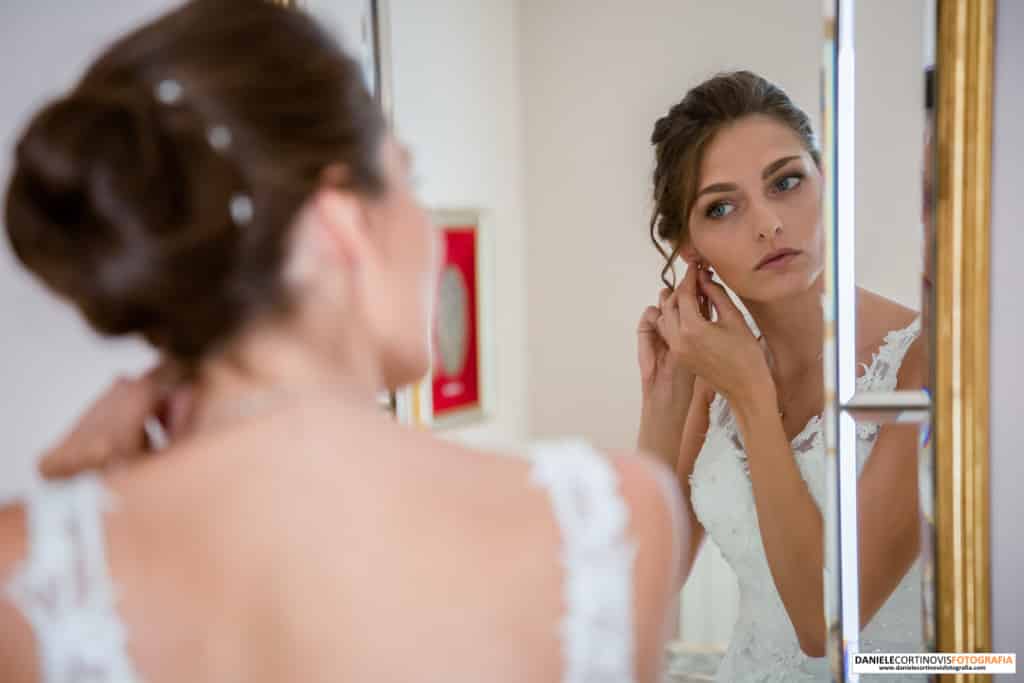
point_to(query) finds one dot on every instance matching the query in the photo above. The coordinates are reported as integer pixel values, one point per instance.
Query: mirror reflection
(605, 224)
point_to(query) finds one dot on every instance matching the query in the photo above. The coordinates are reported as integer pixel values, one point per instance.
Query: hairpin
(169, 92)
(241, 209)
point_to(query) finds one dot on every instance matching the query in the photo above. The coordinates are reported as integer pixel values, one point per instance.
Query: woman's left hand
(723, 351)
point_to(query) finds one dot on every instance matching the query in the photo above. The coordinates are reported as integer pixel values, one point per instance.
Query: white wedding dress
(764, 646)
(65, 591)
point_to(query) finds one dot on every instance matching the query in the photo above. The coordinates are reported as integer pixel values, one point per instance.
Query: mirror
(543, 135)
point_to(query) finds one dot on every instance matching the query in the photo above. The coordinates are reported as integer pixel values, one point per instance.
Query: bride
(737, 189)
(221, 183)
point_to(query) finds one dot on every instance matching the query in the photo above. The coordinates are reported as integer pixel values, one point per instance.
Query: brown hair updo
(157, 194)
(681, 136)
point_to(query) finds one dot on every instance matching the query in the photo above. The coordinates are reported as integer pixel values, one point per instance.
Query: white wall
(1007, 454)
(890, 61)
(52, 364)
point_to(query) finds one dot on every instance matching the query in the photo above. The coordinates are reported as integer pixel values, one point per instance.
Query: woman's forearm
(661, 427)
(790, 523)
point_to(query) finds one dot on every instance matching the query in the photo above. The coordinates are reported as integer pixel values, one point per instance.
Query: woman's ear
(342, 226)
(330, 232)
(690, 253)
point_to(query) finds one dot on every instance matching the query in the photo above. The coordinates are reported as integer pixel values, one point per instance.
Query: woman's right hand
(111, 431)
(666, 385)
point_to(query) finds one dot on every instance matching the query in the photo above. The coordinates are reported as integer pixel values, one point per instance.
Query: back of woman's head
(681, 136)
(157, 194)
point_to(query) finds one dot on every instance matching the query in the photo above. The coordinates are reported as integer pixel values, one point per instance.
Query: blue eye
(789, 182)
(719, 210)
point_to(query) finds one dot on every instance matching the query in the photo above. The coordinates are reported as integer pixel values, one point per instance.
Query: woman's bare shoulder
(877, 316)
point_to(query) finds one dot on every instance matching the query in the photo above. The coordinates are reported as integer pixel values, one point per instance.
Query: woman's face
(756, 219)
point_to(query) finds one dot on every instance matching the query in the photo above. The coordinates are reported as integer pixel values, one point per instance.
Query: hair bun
(159, 195)
(90, 187)
(85, 146)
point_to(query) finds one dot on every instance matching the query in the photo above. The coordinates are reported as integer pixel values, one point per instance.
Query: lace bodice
(764, 645)
(65, 590)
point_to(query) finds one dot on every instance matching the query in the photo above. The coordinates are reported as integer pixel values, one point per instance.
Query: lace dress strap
(64, 587)
(597, 628)
(882, 374)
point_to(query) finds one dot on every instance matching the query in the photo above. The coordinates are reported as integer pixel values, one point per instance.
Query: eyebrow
(776, 165)
(730, 187)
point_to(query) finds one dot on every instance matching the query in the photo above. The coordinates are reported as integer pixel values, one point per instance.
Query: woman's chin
(406, 371)
(778, 287)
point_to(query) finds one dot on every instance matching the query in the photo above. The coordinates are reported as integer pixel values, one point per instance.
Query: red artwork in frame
(456, 377)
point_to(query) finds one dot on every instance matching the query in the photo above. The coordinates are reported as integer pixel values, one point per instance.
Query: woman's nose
(767, 224)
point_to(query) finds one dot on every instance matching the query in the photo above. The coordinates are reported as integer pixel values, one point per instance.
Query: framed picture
(457, 385)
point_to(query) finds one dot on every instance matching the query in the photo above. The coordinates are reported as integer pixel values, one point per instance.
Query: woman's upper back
(306, 548)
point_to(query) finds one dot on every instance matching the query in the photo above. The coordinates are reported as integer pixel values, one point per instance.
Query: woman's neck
(265, 371)
(792, 330)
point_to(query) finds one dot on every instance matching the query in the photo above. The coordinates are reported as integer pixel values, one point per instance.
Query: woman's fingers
(649, 319)
(664, 297)
(112, 428)
(686, 298)
(76, 455)
(689, 282)
(668, 324)
(728, 312)
(649, 343)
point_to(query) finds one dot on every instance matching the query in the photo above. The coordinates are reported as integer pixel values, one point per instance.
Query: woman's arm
(791, 525)
(666, 383)
(652, 497)
(694, 434)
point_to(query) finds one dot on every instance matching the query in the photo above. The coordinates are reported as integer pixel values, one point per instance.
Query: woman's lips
(778, 259)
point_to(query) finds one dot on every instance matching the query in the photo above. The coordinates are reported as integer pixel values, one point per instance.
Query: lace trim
(64, 588)
(597, 629)
(882, 374)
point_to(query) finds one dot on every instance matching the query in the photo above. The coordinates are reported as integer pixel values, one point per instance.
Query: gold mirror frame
(964, 70)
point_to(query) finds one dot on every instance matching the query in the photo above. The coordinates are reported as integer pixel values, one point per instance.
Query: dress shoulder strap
(883, 372)
(597, 556)
(64, 587)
